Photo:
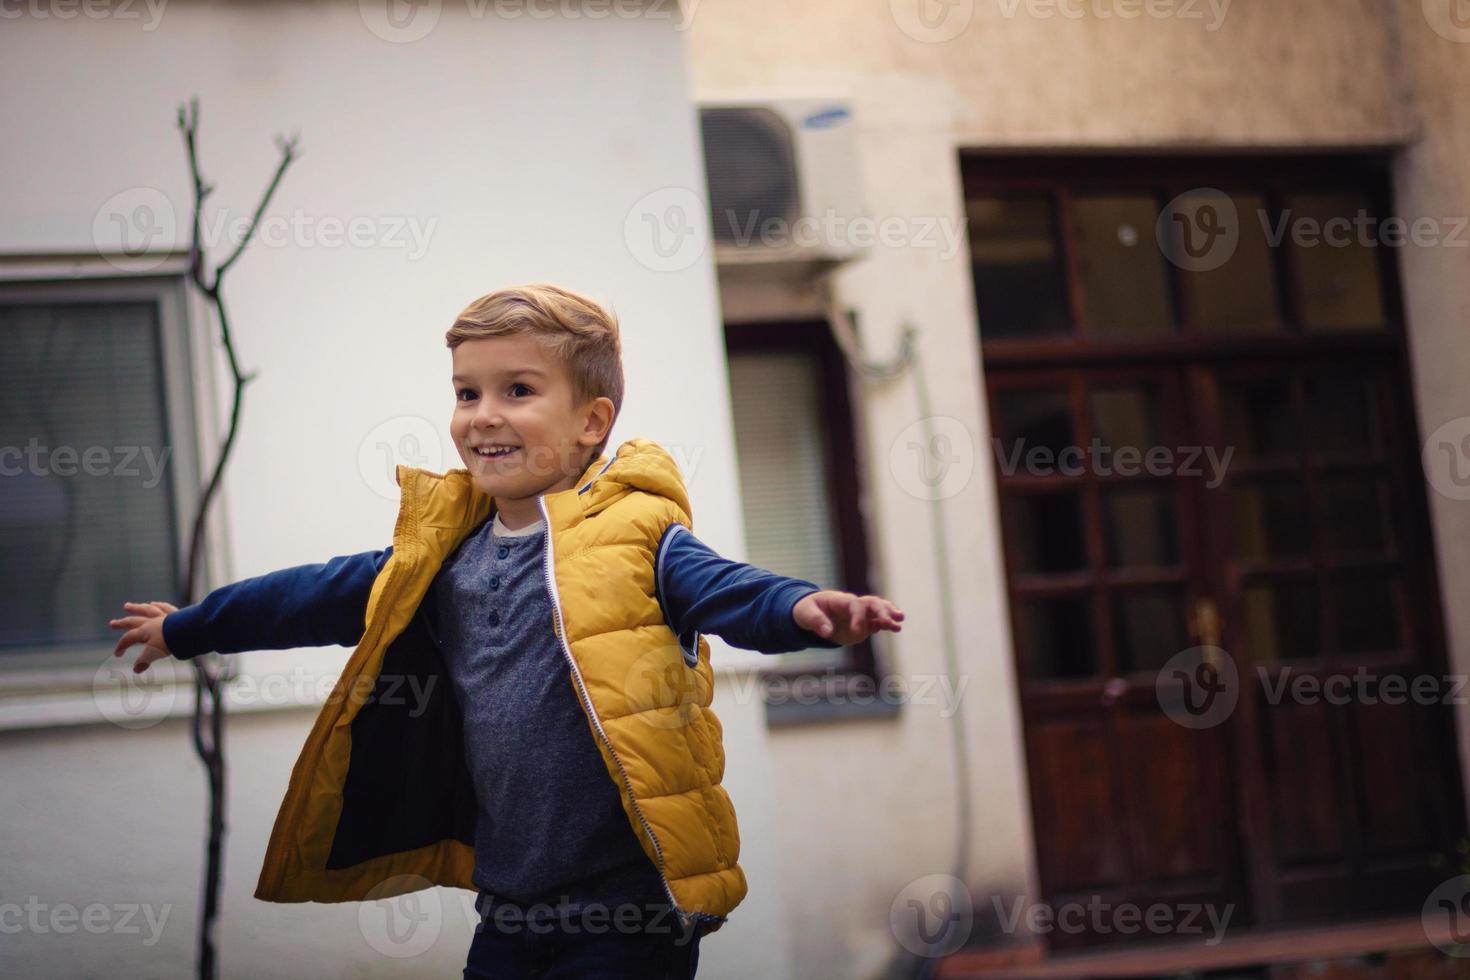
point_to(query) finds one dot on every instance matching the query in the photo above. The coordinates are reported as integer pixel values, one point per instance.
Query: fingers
(134, 635)
(142, 612)
(147, 657)
(860, 616)
(138, 631)
(883, 614)
(139, 634)
(810, 614)
(133, 624)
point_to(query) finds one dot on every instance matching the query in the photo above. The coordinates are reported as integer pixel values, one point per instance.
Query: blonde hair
(578, 333)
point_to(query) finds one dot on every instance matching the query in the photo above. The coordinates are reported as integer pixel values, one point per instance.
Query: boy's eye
(467, 394)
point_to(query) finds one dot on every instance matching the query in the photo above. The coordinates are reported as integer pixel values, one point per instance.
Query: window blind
(780, 433)
(87, 509)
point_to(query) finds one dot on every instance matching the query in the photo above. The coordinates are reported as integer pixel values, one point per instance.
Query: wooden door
(1327, 590)
(1209, 484)
(1107, 570)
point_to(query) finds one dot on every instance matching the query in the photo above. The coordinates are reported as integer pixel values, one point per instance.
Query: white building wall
(520, 148)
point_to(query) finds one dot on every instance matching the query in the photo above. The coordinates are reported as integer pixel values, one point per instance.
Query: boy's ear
(600, 412)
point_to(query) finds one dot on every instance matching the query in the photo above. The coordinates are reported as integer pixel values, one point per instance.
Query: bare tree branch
(208, 702)
(288, 153)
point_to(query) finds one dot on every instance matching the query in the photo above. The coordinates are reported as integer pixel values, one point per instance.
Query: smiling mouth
(487, 452)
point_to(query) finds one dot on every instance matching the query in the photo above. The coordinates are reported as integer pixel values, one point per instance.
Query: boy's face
(510, 391)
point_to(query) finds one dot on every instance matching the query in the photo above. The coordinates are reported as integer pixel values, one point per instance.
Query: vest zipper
(559, 628)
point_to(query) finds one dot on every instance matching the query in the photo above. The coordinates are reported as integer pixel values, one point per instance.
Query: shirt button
(494, 581)
(494, 618)
(503, 551)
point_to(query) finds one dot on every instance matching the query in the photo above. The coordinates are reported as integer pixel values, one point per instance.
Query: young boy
(527, 710)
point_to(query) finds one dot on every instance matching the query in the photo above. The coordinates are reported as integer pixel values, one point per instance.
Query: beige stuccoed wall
(868, 806)
(1313, 71)
(1433, 181)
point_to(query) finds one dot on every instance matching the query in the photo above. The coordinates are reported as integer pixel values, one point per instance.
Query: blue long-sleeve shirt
(325, 603)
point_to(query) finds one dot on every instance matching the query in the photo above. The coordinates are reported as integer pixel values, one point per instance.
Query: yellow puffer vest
(380, 802)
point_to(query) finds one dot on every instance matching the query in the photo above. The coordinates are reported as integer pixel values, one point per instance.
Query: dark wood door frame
(1191, 360)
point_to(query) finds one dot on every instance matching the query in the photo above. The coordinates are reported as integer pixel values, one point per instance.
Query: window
(799, 483)
(96, 453)
(1131, 251)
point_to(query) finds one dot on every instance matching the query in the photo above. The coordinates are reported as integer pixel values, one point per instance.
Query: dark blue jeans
(519, 942)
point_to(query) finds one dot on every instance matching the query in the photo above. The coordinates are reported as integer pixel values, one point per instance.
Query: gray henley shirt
(551, 827)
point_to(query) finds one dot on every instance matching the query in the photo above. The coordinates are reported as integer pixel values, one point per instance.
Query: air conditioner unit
(783, 181)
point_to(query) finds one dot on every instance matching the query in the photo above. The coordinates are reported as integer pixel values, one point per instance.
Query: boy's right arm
(307, 605)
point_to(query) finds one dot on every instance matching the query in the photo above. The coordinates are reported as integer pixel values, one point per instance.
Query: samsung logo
(825, 119)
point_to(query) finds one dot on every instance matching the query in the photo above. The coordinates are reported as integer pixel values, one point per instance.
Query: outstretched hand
(144, 626)
(846, 618)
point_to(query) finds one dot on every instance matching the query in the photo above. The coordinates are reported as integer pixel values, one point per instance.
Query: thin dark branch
(189, 124)
(288, 153)
(208, 689)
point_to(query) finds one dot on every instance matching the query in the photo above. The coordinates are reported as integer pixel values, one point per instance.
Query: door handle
(1206, 622)
(1113, 689)
(1205, 625)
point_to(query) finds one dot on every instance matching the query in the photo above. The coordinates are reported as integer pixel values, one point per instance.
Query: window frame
(1054, 712)
(1276, 176)
(41, 685)
(845, 494)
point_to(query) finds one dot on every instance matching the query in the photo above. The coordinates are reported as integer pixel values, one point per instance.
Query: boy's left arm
(755, 609)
